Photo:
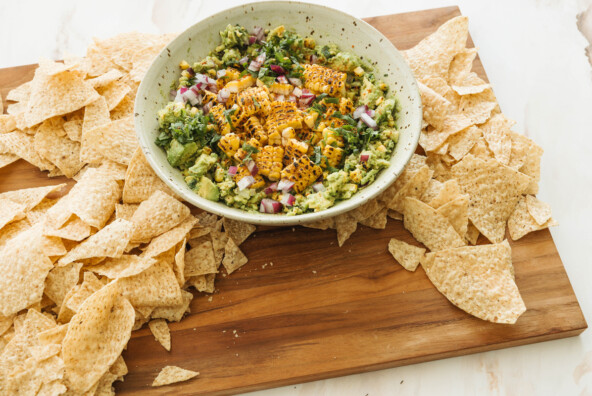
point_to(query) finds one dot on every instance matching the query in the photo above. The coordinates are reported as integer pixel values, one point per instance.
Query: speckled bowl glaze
(325, 25)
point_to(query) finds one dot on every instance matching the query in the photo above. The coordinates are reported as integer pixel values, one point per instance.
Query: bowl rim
(221, 209)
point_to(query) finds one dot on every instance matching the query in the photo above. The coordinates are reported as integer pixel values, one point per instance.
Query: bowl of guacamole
(278, 113)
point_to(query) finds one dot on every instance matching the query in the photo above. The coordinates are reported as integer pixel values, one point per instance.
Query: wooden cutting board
(304, 309)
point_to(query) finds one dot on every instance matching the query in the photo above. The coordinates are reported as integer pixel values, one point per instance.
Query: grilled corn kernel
(206, 150)
(274, 139)
(212, 72)
(309, 42)
(355, 176)
(185, 74)
(332, 138)
(184, 65)
(269, 162)
(358, 71)
(229, 143)
(310, 119)
(303, 172)
(287, 134)
(381, 148)
(219, 174)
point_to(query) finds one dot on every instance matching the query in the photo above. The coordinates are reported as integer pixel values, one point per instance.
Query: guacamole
(270, 121)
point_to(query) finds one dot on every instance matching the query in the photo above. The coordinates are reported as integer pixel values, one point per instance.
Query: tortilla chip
(539, 210)
(478, 107)
(24, 266)
(481, 150)
(122, 267)
(238, 231)
(442, 115)
(457, 212)
(142, 60)
(154, 287)
(174, 313)
(108, 242)
(472, 84)
(114, 92)
(73, 130)
(96, 337)
(472, 234)
(407, 255)
(73, 230)
(449, 191)
(172, 374)
(125, 211)
(96, 114)
(116, 141)
(12, 229)
(7, 159)
(7, 123)
(494, 191)
(393, 214)
(461, 143)
(414, 188)
(441, 87)
(124, 109)
(461, 65)
(60, 280)
(105, 79)
(321, 224)
(169, 239)
(141, 181)
(497, 138)
(377, 220)
(22, 93)
(479, 280)
(31, 197)
(346, 225)
(10, 211)
(429, 227)
(61, 151)
(521, 222)
(23, 145)
(158, 214)
(234, 258)
(32, 374)
(120, 49)
(433, 55)
(161, 332)
(53, 95)
(526, 157)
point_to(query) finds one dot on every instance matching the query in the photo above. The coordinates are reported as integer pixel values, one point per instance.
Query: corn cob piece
(208, 97)
(281, 89)
(269, 162)
(293, 150)
(303, 172)
(243, 171)
(240, 84)
(346, 106)
(254, 100)
(325, 80)
(241, 154)
(333, 154)
(283, 115)
(305, 134)
(229, 143)
(254, 129)
(217, 113)
(331, 138)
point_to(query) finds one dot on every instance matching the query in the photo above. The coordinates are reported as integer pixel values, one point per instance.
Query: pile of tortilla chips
(83, 269)
(474, 176)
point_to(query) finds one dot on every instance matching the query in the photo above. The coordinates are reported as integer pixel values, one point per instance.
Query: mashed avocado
(203, 164)
(369, 93)
(207, 63)
(231, 55)
(233, 36)
(345, 62)
(384, 111)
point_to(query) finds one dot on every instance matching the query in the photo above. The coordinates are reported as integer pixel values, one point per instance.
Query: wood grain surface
(304, 309)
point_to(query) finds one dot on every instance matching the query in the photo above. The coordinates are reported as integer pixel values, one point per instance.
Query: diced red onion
(288, 199)
(221, 73)
(306, 100)
(269, 206)
(358, 112)
(259, 33)
(271, 188)
(364, 157)
(277, 69)
(223, 95)
(182, 90)
(212, 88)
(203, 79)
(245, 182)
(192, 97)
(318, 187)
(292, 98)
(295, 81)
(285, 185)
(282, 79)
(243, 60)
(179, 97)
(254, 66)
(261, 58)
(252, 167)
(313, 58)
(366, 119)
(206, 108)
(370, 112)
(191, 71)
(280, 98)
(297, 92)
(252, 39)
(232, 169)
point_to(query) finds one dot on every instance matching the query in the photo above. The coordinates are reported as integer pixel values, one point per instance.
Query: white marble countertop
(534, 56)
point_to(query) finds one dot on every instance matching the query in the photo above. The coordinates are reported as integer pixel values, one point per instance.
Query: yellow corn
(287, 134)
(241, 154)
(281, 89)
(294, 149)
(254, 129)
(325, 80)
(358, 71)
(217, 113)
(333, 154)
(275, 139)
(332, 138)
(303, 172)
(254, 100)
(283, 115)
(346, 106)
(243, 171)
(229, 143)
(309, 42)
(305, 134)
(355, 176)
(241, 84)
(232, 74)
(184, 65)
(269, 162)
(311, 118)
(208, 97)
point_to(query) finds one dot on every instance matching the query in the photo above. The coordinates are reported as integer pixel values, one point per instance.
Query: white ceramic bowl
(325, 25)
